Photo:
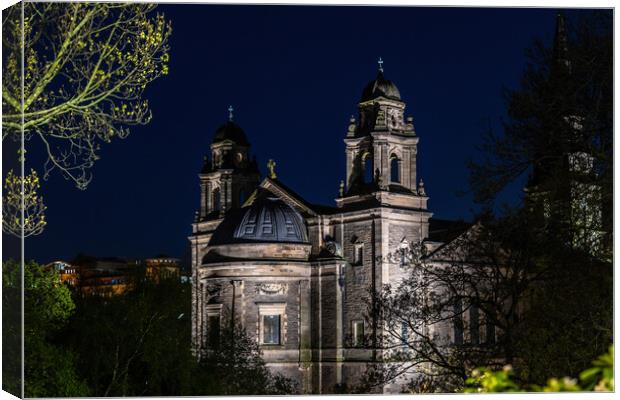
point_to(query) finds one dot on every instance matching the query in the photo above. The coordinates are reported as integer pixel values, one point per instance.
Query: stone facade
(308, 289)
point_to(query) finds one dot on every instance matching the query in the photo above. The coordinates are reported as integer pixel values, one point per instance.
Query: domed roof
(231, 131)
(380, 87)
(267, 219)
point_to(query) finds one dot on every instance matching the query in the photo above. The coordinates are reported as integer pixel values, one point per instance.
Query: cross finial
(380, 62)
(271, 166)
(230, 113)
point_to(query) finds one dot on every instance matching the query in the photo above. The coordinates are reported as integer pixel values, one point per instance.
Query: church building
(296, 275)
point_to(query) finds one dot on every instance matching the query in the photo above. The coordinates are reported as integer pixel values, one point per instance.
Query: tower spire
(230, 113)
(560, 44)
(380, 62)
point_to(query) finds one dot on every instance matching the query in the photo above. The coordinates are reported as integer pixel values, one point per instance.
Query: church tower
(229, 176)
(381, 146)
(381, 149)
(563, 185)
(381, 213)
(382, 185)
(226, 179)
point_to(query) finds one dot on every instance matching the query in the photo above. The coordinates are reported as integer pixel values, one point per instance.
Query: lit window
(271, 329)
(358, 257)
(358, 333)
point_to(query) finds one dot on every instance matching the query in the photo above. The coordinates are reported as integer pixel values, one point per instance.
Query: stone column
(340, 287)
(203, 200)
(228, 193)
(237, 301)
(350, 167)
(209, 198)
(412, 166)
(385, 166)
(305, 339)
(381, 163)
(405, 169)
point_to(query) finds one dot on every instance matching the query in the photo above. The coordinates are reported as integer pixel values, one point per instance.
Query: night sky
(294, 76)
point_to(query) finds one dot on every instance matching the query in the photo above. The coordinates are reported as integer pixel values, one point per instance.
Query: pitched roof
(444, 230)
(290, 196)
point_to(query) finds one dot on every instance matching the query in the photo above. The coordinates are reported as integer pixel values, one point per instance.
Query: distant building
(115, 275)
(162, 267)
(105, 275)
(68, 273)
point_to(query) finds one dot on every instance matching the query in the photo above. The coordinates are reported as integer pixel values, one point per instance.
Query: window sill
(269, 346)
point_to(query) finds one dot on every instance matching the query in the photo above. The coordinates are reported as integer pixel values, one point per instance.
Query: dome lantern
(380, 87)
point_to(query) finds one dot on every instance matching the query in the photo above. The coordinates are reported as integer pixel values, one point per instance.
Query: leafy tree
(134, 344)
(559, 131)
(600, 377)
(12, 328)
(476, 285)
(49, 370)
(235, 367)
(85, 69)
(564, 105)
(139, 344)
(510, 290)
(24, 189)
(568, 319)
(559, 134)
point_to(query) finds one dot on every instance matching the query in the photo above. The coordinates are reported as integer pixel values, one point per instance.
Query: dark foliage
(563, 108)
(135, 344)
(139, 344)
(540, 129)
(235, 367)
(49, 369)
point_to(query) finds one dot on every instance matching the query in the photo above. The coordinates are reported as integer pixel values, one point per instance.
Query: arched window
(368, 172)
(394, 169)
(474, 324)
(216, 200)
(457, 321)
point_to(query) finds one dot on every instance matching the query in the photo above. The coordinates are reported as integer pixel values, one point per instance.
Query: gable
(286, 194)
(456, 249)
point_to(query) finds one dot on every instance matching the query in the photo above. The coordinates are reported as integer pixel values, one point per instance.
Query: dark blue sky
(294, 75)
